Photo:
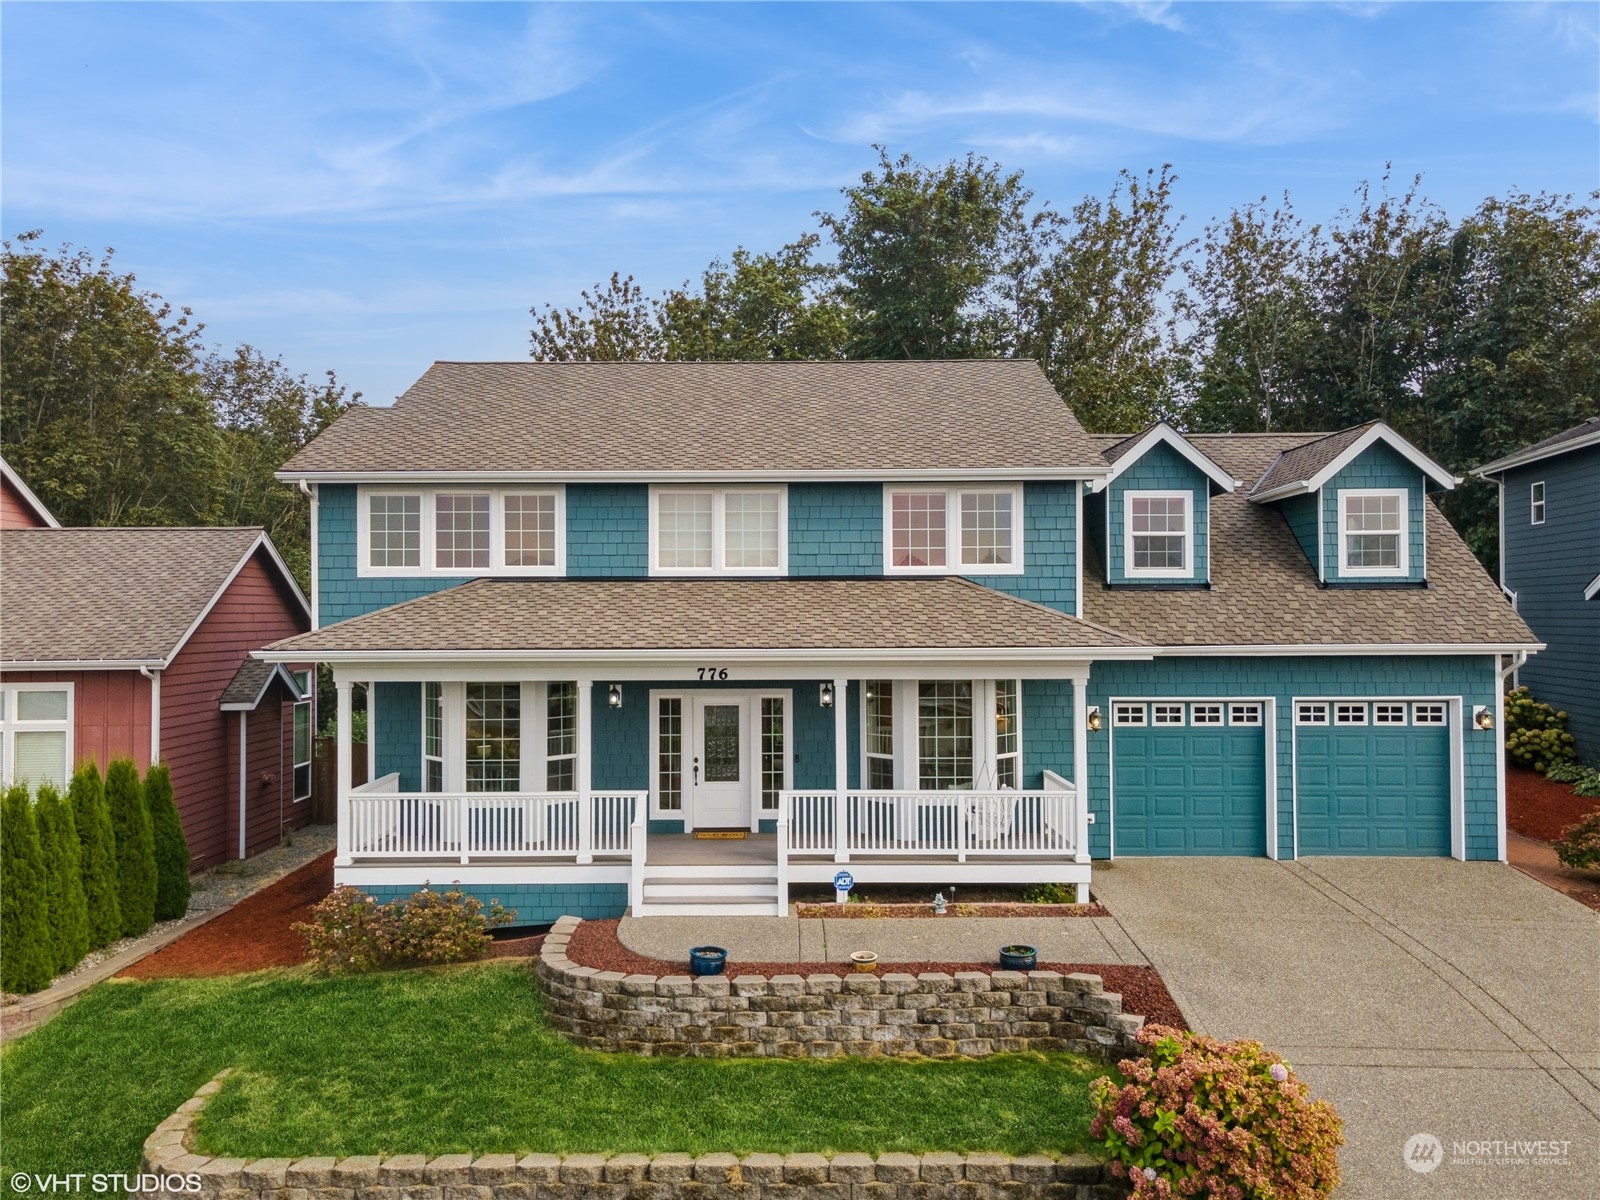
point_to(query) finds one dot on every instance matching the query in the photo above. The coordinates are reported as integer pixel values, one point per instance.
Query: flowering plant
(350, 931)
(1197, 1117)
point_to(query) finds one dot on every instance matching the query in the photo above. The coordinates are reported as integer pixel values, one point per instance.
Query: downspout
(307, 490)
(243, 773)
(155, 713)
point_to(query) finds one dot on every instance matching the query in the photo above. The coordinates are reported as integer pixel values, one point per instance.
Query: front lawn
(461, 1060)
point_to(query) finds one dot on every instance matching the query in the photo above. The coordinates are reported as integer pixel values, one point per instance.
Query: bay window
(718, 531)
(1372, 532)
(36, 733)
(487, 531)
(494, 737)
(938, 530)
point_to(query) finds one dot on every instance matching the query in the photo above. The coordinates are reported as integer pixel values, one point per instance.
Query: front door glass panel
(721, 724)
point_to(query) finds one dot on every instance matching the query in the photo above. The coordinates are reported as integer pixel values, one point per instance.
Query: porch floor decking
(685, 850)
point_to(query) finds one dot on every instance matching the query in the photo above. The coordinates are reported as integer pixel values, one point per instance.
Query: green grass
(461, 1060)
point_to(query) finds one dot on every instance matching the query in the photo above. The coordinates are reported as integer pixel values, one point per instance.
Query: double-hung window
(1372, 532)
(459, 531)
(561, 737)
(302, 737)
(941, 734)
(878, 739)
(433, 737)
(494, 737)
(1536, 503)
(718, 531)
(1159, 535)
(953, 530)
(36, 733)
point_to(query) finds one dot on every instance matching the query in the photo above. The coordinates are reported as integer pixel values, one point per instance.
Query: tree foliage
(28, 962)
(136, 849)
(69, 911)
(171, 850)
(98, 859)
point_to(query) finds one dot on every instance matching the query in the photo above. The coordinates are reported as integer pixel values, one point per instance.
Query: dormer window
(1160, 535)
(1372, 532)
(953, 530)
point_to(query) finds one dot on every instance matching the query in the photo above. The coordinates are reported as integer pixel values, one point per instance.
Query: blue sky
(370, 187)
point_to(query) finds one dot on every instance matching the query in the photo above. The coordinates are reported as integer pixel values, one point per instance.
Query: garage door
(1373, 777)
(1189, 778)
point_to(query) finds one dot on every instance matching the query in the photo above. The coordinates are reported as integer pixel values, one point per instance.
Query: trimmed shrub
(1536, 733)
(172, 852)
(351, 932)
(27, 964)
(69, 911)
(98, 861)
(136, 847)
(1203, 1118)
(1579, 847)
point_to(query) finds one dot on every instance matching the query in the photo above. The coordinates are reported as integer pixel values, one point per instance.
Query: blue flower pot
(707, 960)
(1018, 958)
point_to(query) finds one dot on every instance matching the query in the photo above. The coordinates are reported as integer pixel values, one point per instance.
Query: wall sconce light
(1482, 717)
(614, 695)
(826, 697)
(1095, 720)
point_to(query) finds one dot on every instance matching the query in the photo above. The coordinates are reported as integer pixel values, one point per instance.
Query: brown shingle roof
(524, 615)
(1264, 590)
(1560, 443)
(109, 595)
(249, 684)
(1303, 458)
(707, 418)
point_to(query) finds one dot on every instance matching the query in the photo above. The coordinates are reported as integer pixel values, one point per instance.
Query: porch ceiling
(514, 617)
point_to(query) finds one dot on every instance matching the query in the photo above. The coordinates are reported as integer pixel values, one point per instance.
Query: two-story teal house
(906, 619)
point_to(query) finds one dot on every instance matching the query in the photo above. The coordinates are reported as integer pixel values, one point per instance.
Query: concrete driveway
(1421, 996)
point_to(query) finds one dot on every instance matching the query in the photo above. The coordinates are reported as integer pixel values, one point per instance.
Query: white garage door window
(35, 733)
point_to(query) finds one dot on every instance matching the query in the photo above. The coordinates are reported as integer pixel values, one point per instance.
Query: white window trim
(952, 530)
(1403, 555)
(895, 720)
(1129, 571)
(719, 546)
(497, 526)
(906, 698)
(1536, 502)
(10, 726)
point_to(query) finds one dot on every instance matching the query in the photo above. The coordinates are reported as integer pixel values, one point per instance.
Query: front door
(718, 774)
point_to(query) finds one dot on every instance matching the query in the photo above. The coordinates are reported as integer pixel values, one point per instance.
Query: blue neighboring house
(906, 620)
(1550, 568)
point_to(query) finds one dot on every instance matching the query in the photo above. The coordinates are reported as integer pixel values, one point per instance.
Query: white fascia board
(1524, 457)
(1381, 432)
(961, 654)
(26, 492)
(883, 475)
(1593, 590)
(1349, 648)
(1162, 432)
(82, 664)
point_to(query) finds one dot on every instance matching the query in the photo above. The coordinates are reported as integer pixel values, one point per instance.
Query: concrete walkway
(1429, 996)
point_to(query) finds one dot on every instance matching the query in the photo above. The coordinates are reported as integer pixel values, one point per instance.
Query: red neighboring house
(135, 643)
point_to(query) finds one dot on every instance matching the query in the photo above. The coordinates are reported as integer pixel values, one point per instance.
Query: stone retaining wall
(168, 1154)
(826, 1016)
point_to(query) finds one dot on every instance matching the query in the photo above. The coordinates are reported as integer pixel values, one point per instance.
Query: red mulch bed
(1540, 808)
(595, 944)
(251, 935)
(836, 912)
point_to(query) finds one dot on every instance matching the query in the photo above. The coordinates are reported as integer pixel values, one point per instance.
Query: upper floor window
(940, 530)
(1372, 532)
(1159, 535)
(1536, 503)
(715, 531)
(456, 532)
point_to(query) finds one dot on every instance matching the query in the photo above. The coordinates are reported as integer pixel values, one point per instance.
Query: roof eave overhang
(1593, 590)
(28, 498)
(703, 654)
(1378, 433)
(83, 664)
(1523, 458)
(1350, 648)
(279, 672)
(1163, 432)
(884, 475)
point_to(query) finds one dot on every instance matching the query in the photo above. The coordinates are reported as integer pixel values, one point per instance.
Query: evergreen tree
(136, 847)
(172, 852)
(24, 914)
(69, 911)
(98, 861)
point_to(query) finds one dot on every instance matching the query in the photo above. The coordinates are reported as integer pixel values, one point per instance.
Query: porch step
(707, 908)
(754, 887)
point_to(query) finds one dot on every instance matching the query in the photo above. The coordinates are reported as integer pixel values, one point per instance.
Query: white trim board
(1162, 432)
(875, 475)
(1378, 432)
(28, 498)
(1529, 455)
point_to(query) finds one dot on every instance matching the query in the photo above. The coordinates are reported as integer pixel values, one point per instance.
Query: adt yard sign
(842, 883)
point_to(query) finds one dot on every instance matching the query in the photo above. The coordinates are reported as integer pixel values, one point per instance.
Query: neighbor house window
(718, 531)
(953, 529)
(1158, 534)
(878, 739)
(1372, 532)
(1536, 502)
(1007, 734)
(561, 737)
(35, 734)
(394, 531)
(944, 734)
(494, 737)
(302, 737)
(517, 532)
(433, 737)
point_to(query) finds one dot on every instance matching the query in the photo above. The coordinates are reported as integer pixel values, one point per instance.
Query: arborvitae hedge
(172, 852)
(69, 911)
(136, 847)
(24, 916)
(96, 839)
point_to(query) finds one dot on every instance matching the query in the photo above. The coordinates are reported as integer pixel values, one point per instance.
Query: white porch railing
(920, 824)
(387, 823)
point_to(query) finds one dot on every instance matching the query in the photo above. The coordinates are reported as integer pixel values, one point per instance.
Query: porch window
(953, 529)
(494, 737)
(302, 737)
(561, 737)
(715, 531)
(669, 764)
(1372, 532)
(944, 734)
(1007, 727)
(1158, 534)
(878, 715)
(35, 734)
(771, 751)
(433, 737)
(461, 531)
(394, 531)
(530, 529)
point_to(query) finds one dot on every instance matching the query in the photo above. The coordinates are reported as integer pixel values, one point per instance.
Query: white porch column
(1080, 775)
(372, 731)
(841, 767)
(582, 772)
(343, 762)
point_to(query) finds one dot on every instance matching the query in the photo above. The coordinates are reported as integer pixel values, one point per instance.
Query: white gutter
(155, 713)
(315, 495)
(1072, 654)
(82, 664)
(764, 476)
(1523, 458)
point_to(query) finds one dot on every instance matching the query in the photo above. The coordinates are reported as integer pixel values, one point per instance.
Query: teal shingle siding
(1161, 469)
(835, 529)
(1300, 514)
(1046, 730)
(1049, 553)
(341, 593)
(1474, 678)
(1379, 466)
(396, 725)
(533, 903)
(608, 530)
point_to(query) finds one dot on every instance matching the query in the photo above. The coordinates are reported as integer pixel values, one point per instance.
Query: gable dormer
(1356, 502)
(1151, 515)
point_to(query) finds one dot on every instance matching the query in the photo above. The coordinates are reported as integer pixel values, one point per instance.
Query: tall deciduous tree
(616, 322)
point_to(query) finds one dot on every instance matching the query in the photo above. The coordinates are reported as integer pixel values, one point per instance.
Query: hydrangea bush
(351, 932)
(1197, 1117)
(1536, 733)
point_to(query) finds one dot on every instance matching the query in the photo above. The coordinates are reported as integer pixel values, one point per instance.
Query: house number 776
(712, 672)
